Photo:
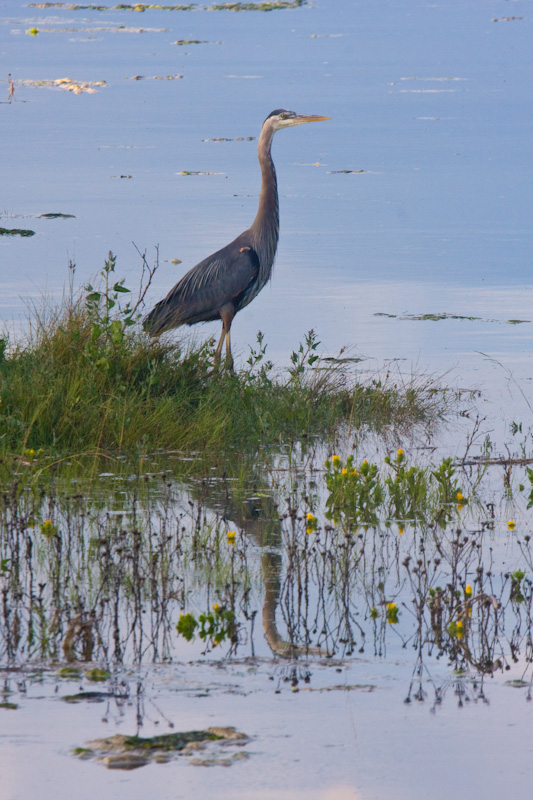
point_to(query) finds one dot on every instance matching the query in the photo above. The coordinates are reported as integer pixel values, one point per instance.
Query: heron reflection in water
(229, 279)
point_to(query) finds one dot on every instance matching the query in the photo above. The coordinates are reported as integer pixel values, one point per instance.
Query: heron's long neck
(265, 227)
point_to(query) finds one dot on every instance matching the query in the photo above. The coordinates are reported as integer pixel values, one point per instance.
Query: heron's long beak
(299, 119)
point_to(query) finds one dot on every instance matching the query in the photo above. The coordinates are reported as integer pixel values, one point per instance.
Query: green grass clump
(89, 380)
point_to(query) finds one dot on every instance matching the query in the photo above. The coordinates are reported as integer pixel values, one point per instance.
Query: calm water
(432, 101)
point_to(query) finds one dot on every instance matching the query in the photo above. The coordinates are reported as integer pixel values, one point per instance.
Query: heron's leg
(216, 360)
(227, 313)
(229, 357)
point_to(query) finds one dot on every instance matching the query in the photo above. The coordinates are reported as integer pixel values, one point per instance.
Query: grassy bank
(88, 379)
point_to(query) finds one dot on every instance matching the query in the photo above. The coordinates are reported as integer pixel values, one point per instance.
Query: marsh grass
(87, 379)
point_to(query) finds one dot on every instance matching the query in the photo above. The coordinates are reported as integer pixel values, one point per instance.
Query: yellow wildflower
(459, 496)
(511, 524)
(354, 472)
(310, 516)
(400, 531)
(468, 590)
(334, 459)
(400, 451)
(344, 471)
(231, 537)
(216, 607)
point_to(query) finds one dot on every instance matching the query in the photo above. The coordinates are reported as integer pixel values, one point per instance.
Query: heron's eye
(283, 116)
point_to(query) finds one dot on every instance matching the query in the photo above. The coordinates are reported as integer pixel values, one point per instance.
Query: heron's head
(281, 118)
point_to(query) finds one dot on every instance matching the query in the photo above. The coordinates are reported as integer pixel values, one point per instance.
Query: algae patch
(57, 215)
(16, 232)
(438, 317)
(204, 748)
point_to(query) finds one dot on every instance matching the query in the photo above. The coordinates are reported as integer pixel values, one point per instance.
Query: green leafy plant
(354, 493)
(108, 317)
(407, 488)
(212, 627)
(305, 356)
(517, 595)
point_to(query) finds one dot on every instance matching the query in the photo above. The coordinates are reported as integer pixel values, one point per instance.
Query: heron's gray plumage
(223, 283)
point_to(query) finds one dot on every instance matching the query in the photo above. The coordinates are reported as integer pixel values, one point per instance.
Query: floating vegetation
(121, 7)
(431, 317)
(209, 747)
(197, 172)
(441, 316)
(269, 5)
(181, 42)
(56, 216)
(447, 78)
(155, 77)
(235, 139)
(76, 87)
(88, 697)
(16, 232)
(101, 29)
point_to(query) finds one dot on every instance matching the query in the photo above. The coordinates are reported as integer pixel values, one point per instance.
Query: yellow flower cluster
(311, 523)
(231, 537)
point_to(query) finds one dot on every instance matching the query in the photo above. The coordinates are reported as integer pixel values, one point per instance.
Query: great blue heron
(228, 280)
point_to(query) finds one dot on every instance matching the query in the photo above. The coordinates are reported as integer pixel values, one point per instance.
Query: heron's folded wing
(225, 277)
